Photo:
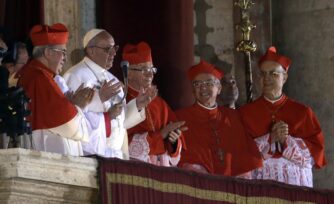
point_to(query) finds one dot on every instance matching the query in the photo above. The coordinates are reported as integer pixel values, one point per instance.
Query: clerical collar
(92, 65)
(273, 101)
(214, 107)
(99, 72)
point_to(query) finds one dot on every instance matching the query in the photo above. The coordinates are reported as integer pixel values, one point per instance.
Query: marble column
(78, 16)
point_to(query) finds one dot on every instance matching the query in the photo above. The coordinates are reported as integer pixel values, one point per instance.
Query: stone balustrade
(28, 176)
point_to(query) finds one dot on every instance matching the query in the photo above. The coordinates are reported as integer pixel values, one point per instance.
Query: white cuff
(75, 129)
(132, 115)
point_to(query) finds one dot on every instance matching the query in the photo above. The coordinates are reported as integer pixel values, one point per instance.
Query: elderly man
(230, 91)
(58, 126)
(287, 133)
(156, 139)
(216, 140)
(18, 56)
(108, 116)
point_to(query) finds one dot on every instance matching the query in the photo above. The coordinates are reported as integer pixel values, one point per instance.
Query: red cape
(257, 117)
(49, 106)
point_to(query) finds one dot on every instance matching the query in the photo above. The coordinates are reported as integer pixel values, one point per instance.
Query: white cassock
(116, 144)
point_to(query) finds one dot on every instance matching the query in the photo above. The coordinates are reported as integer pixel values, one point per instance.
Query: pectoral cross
(221, 155)
(215, 132)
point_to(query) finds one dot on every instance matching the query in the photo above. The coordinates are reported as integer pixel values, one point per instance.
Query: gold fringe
(191, 191)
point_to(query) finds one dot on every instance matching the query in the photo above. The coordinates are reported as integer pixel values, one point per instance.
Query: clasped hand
(279, 132)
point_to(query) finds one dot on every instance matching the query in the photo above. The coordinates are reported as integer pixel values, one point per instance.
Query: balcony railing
(28, 176)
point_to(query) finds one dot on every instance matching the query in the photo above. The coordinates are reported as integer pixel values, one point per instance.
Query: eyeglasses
(63, 51)
(271, 74)
(207, 84)
(153, 70)
(108, 50)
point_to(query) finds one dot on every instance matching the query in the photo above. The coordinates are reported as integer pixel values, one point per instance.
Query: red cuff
(156, 143)
(284, 145)
(173, 149)
(107, 121)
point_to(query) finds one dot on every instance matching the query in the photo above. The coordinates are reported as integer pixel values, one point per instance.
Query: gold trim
(183, 189)
(109, 197)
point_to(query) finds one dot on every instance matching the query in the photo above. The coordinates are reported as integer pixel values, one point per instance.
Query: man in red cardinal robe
(58, 125)
(286, 132)
(156, 140)
(216, 140)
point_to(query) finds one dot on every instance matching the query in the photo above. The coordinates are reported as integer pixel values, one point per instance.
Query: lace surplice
(294, 166)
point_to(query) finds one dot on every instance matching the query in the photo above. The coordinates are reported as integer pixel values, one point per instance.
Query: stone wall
(78, 16)
(304, 31)
(214, 37)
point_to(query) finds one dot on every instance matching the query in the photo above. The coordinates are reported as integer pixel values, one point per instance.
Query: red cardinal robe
(258, 118)
(217, 141)
(158, 115)
(49, 106)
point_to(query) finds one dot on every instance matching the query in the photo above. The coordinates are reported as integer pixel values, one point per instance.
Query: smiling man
(58, 126)
(108, 114)
(216, 141)
(156, 140)
(287, 133)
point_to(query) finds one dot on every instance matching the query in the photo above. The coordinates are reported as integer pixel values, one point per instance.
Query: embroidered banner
(130, 182)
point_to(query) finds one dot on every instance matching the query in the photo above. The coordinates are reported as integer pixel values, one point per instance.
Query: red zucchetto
(204, 68)
(271, 55)
(49, 35)
(137, 54)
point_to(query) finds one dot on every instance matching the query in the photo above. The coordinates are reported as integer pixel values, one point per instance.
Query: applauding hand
(146, 96)
(108, 90)
(81, 97)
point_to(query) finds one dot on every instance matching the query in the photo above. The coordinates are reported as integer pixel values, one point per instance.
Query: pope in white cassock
(108, 114)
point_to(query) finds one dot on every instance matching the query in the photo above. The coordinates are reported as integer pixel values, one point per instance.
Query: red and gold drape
(125, 182)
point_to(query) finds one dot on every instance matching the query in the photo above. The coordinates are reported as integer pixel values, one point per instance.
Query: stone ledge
(28, 176)
(50, 167)
(32, 191)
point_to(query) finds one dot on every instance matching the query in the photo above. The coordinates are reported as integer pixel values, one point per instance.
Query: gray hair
(38, 51)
